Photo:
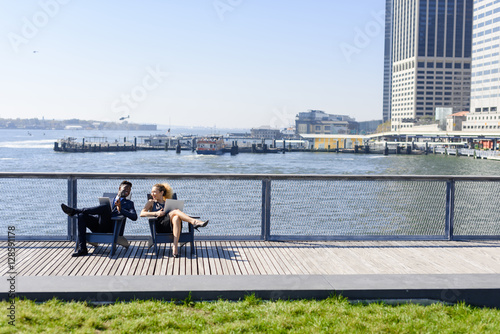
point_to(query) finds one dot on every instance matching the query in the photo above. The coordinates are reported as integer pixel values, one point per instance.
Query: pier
(458, 144)
(377, 238)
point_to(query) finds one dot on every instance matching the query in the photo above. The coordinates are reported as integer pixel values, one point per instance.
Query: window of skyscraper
(450, 27)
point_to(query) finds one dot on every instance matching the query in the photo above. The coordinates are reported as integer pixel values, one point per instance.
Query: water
(339, 208)
(32, 151)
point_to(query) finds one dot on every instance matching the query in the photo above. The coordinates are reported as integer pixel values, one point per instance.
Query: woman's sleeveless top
(157, 206)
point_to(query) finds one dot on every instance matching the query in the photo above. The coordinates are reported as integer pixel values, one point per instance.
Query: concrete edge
(474, 289)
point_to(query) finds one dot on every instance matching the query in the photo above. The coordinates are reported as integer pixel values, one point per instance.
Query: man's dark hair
(127, 183)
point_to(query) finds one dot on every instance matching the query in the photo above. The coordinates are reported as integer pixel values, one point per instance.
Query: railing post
(266, 209)
(450, 208)
(72, 202)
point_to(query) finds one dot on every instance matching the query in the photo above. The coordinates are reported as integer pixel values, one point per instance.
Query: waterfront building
(319, 122)
(454, 121)
(237, 135)
(332, 142)
(485, 92)
(242, 141)
(265, 132)
(484, 121)
(431, 59)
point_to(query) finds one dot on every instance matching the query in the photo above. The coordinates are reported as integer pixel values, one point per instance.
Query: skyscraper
(387, 61)
(485, 84)
(431, 59)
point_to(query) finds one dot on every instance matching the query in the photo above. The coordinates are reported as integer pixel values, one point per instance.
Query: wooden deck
(260, 258)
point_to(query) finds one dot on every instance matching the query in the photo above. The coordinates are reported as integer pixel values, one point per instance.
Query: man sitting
(98, 218)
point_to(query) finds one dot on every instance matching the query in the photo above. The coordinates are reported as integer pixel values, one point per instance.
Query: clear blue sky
(224, 63)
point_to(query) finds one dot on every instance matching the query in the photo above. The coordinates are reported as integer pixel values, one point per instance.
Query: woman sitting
(171, 221)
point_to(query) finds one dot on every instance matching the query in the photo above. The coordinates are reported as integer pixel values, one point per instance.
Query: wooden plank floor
(38, 258)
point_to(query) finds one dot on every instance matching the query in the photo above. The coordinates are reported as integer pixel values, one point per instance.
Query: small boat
(210, 145)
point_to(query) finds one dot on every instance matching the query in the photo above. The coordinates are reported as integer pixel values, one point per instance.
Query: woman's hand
(160, 213)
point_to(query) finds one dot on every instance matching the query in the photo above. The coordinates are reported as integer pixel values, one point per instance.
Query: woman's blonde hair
(166, 189)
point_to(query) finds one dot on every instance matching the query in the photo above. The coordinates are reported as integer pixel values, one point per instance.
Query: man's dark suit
(98, 219)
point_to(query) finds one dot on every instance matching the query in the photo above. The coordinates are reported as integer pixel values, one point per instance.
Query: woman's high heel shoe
(203, 224)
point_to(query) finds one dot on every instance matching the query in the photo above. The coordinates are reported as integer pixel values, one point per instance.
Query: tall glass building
(431, 59)
(485, 84)
(387, 61)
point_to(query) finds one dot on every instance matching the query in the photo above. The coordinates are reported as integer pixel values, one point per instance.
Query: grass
(250, 315)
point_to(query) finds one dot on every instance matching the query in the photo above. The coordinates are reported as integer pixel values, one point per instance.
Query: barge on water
(93, 144)
(142, 143)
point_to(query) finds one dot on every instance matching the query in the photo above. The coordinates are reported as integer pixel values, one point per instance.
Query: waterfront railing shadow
(269, 207)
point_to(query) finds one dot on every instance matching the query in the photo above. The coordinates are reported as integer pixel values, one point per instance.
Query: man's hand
(118, 205)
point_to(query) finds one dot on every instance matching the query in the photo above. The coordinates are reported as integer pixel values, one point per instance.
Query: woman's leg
(183, 217)
(176, 230)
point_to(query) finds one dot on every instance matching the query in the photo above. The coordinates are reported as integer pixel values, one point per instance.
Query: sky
(222, 63)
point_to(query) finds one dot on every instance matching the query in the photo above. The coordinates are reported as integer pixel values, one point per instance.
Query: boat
(213, 145)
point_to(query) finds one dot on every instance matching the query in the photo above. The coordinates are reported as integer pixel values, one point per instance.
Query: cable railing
(269, 207)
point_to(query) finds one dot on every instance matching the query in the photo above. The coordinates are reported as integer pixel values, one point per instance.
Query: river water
(32, 151)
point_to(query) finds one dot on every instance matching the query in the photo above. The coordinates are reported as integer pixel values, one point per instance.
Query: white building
(431, 58)
(485, 91)
(454, 121)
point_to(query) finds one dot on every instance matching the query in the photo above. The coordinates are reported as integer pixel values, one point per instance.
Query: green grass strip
(250, 315)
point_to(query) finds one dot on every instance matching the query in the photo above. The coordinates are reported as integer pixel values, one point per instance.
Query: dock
(446, 271)
(433, 245)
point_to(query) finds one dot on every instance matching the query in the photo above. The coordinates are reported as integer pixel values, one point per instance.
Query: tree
(384, 127)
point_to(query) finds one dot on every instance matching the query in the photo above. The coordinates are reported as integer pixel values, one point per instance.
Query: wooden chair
(111, 238)
(184, 238)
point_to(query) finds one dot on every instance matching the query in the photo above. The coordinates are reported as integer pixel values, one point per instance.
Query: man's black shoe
(68, 210)
(80, 252)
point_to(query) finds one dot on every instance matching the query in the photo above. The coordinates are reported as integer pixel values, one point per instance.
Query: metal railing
(480, 154)
(269, 207)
